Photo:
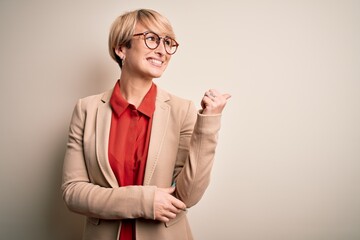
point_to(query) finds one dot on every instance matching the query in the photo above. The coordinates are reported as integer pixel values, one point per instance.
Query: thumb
(169, 190)
(226, 96)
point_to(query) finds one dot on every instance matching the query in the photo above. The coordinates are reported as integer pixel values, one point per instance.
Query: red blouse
(129, 143)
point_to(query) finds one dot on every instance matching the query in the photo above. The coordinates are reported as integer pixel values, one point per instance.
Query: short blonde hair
(122, 29)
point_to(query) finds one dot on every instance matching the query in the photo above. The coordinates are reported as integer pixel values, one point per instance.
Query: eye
(168, 42)
(151, 37)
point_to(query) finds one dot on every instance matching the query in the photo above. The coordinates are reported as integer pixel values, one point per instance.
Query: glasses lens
(170, 45)
(152, 40)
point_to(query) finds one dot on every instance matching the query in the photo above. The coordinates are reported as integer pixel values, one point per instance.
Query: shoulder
(180, 107)
(173, 100)
(93, 101)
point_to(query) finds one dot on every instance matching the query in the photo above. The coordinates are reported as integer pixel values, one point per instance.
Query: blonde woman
(137, 156)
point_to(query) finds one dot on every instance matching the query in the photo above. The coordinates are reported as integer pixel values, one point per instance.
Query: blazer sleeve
(83, 196)
(195, 156)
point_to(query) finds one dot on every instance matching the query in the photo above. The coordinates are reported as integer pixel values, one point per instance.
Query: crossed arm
(149, 202)
(191, 175)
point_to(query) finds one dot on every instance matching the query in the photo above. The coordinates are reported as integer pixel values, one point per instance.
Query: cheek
(168, 59)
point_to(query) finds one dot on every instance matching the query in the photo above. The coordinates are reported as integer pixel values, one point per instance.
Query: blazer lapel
(103, 123)
(158, 130)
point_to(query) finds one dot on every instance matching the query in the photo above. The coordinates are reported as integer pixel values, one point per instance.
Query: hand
(166, 206)
(214, 102)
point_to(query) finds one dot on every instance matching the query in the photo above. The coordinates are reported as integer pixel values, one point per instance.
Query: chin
(157, 74)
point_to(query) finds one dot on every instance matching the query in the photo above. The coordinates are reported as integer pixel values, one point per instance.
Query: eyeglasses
(152, 41)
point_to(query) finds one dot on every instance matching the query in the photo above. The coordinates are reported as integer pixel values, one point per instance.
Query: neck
(134, 89)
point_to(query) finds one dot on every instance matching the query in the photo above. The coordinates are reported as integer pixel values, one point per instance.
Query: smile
(155, 62)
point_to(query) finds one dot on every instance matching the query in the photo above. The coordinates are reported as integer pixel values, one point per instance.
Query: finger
(169, 215)
(206, 101)
(209, 94)
(203, 105)
(164, 219)
(169, 190)
(226, 96)
(178, 204)
(214, 92)
(174, 209)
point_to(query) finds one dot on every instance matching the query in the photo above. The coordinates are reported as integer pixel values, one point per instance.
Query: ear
(120, 51)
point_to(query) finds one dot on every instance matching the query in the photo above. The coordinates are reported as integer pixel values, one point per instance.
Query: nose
(161, 48)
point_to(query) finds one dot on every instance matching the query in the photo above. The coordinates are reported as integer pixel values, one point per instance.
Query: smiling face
(140, 61)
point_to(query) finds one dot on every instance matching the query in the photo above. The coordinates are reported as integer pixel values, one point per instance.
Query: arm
(81, 195)
(197, 149)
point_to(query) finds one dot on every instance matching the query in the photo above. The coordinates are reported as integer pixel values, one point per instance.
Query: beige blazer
(181, 150)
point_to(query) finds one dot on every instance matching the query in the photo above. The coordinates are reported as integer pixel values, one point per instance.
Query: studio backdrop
(288, 161)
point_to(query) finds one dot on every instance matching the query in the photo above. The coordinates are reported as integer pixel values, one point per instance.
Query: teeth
(155, 61)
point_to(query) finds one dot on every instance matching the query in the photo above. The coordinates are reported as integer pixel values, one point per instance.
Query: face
(142, 62)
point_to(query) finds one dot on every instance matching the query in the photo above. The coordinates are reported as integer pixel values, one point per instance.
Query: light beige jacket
(181, 150)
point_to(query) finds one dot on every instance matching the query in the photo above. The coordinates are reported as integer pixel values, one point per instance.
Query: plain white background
(288, 161)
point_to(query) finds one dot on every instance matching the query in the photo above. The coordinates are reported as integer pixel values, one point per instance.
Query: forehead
(153, 26)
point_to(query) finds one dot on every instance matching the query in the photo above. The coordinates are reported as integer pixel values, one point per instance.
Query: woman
(137, 156)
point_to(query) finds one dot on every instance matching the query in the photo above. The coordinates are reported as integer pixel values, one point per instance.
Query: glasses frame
(158, 43)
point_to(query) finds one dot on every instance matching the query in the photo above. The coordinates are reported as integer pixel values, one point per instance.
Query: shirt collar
(119, 104)
(147, 105)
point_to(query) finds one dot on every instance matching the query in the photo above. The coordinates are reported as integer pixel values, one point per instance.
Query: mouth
(155, 62)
